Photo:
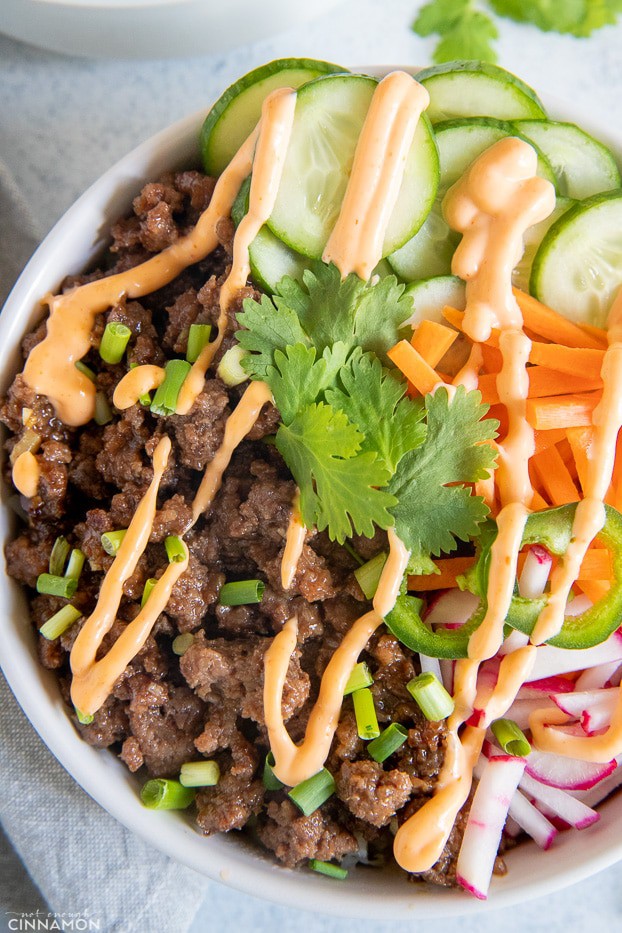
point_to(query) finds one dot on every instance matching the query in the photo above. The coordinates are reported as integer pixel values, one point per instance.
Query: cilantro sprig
(356, 445)
(466, 29)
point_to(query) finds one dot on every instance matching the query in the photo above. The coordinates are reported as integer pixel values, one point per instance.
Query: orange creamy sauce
(492, 206)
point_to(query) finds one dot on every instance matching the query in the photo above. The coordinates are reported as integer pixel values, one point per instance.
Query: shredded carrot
(538, 502)
(432, 341)
(580, 440)
(554, 477)
(597, 332)
(410, 362)
(546, 439)
(562, 411)
(542, 382)
(594, 589)
(450, 569)
(596, 564)
(548, 323)
(492, 359)
(579, 362)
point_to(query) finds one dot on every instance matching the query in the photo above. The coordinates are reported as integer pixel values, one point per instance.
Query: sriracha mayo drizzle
(294, 541)
(26, 474)
(355, 245)
(137, 382)
(92, 680)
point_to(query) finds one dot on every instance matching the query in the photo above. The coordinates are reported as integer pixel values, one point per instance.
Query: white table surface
(65, 120)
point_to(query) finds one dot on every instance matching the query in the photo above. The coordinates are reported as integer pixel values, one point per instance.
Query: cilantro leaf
(337, 484)
(374, 401)
(381, 314)
(297, 378)
(471, 37)
(430, 514)
(439, 16)
(270, 325)
(547, 15)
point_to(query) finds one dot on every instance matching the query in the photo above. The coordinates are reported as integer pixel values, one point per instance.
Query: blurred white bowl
(151, 28)
(368, 894)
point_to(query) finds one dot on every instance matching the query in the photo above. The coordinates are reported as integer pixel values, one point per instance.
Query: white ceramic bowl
(151, 28)
(68, 248)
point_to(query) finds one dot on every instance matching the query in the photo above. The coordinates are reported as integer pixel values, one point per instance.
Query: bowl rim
(103, 777)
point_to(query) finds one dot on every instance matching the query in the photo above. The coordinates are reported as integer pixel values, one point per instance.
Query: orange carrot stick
(554, 477)
(548, 323)
(562, 411)
(579, 362)
(450, 569)
(419, 373)
(432, 341)
(580, 440)
(546, 439)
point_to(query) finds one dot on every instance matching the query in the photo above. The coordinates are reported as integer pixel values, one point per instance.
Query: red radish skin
(566, 773)
(601, 791)
(532, 689)
(452, 608)
(532, 821)
(535, 572)
(562, 803)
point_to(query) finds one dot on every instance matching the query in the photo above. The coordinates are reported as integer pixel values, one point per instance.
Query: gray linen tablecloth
(65, 120)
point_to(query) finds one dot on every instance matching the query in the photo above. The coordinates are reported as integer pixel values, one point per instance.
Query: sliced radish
(513, 642)
(521, 710)
(576, 606)
(535, 572)
(482, 835)
(533, 689)
(551, 661)
(447, 670)
(562, 804)
(595, 677)
(593, 708)
(532, 821)
(566, 773)
(430, 665)
(453, 607)
(602, 790)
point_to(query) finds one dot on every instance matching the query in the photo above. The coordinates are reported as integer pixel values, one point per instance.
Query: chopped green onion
(242, 593)
(359, 678)
(144, 400)
(198, 339)
(312, 793)
(76, 563)
(85, 719)
(149, 585)
(165, 400)
(114, 341)
(52, 585)
(430, 695)
(175, 549)
(182, 643)
(59, 555)
(355, 554)
(200, 774)
(166, 794)
(368, 576)
(270, 780)
(85, 370)
(103, 411)
(329, 869)
(230, 368)
(511, 739)
(387, 742)
(111, 541)
(365, 712)
(57, 624)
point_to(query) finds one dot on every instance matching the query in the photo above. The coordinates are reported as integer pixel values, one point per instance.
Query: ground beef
(167, 709)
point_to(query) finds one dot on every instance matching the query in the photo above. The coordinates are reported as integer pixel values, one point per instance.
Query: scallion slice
(144, 400)
(175, 549)
(312, 793)
(270, 780)
(166, 794)
(200, 774)
(242, 593)
(76, 563)
(198, 339)
(58, 556)
(329, 869)
(431, 697)
(149, 585)
(57, 624)
(387, 742)
(52, 585)
(182, 643)
(165, 400)
(353, 553)
(359, 678)
(85, 370)
(230, 368)
(365, 712)
(368, 576)
(511, 739)
(85, 719)
(111, 541)
(103, 411)
(114, 341)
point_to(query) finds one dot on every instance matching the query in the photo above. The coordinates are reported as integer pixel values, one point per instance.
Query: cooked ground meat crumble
(166, 710)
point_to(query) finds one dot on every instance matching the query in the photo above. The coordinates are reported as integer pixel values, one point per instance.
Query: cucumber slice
(330, 112)
(474, 89)
(582, 165)
(237, 111)
(533, 237)
(430, 296)
(459, 142)
(578, 267)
